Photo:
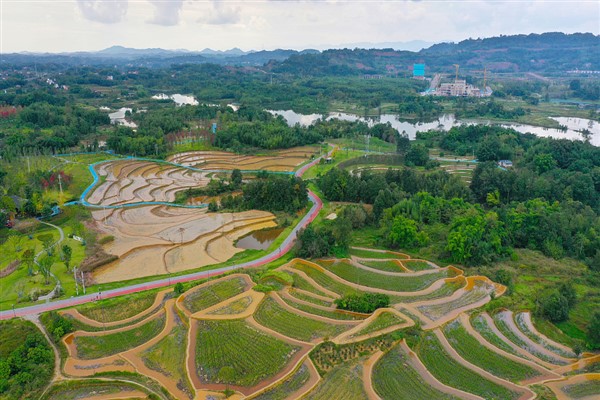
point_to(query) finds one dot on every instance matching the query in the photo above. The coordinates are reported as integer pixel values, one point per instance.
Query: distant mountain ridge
(547, 52)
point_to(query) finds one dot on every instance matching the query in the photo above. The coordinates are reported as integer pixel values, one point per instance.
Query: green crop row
(232, 352)
(214, 293)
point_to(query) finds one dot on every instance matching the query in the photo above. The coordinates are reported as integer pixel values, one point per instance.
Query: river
(575, 126)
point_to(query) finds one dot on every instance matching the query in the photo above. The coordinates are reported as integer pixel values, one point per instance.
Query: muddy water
(259, 240)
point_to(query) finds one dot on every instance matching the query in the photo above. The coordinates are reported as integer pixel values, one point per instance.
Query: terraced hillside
(291, 342)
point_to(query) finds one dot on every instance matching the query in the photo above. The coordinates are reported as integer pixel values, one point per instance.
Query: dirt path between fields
(344, 337)
(407, 272)
(545, 374)
(507, 317)
(580, 364)
(543, 338)
(367, 375)
(415, 363)
(160, 296)
(526, 393)
(557, 386)
(492, 326)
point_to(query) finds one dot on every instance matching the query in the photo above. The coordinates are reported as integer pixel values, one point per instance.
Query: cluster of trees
(587, 90)
(473, 108)
(27, 367)
(267, 192)
(555, 303)
(364, 303)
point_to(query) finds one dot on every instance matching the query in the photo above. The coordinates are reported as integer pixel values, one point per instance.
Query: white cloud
(221, 13)
(104, 11)
(166, 13)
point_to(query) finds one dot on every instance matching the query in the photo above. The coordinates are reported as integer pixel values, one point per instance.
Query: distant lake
(118, 117)
(575, 126)
(179, 99)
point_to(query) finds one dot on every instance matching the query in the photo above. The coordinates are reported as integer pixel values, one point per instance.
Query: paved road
(285, 247)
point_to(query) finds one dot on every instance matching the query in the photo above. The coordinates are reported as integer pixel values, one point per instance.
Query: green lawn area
(471, 350)
(168, 356)
(383, 320)
(322, 168)
(253, 355)
(451, 373)
(344, 382)
(393, 378)
(215, 293)
(292, 384)
(272, 315)
(118, 308)
(91, 347)
(360, 276)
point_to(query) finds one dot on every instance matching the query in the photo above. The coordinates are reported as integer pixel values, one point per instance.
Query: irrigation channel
(285, 247)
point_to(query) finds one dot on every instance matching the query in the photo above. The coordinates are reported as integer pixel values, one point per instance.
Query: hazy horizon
(92, 25)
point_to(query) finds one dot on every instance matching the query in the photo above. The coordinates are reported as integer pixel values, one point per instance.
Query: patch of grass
(215, 293)
(371, 254)
(292, 384)
(451, 373)
(510, 335)
(118, 308)
(417, 265)
(474, 352)
(310, 299)
(235, 307)
(273, 316)
(324, 280)
(437, 311)
(581, 390)
(76, 389)
(91, 347)
(333, 314)
(360, 276)
(482, 327)
(253, 355)
(394, 378)
(342, 383)
(447, 289)
(168, 357)
(303, 284)
(383, 320)
(388, 266)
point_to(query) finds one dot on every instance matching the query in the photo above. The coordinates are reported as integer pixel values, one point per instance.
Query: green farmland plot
(388, 266)
(118, 308)
(393, 378)
(324, 280)
(363, 277)
(344, 382)
(272, 315)
(303, 284)
(451, 373)
(481, 326)
(471, 350)
(362, 253)
(91, 347)
(310, 299)
(215, 293)
(292, 384)
(253, 355)
(382, 321)
(318, 311)
(584, 389)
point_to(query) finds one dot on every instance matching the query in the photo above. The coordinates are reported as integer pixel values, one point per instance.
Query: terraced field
(292, 343)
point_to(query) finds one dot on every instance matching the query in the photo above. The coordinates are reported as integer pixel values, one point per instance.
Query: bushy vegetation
(364, 303)
(26, 360)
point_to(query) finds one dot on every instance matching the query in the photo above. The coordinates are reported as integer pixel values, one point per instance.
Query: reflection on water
(574, 126)
(179, 99)
(118, 117)
(259, 240)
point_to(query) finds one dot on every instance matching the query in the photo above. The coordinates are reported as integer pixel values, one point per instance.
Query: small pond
(259, 240)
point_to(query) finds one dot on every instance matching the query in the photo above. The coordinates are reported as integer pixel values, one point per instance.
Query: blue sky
(72, 25)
